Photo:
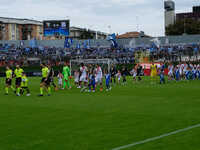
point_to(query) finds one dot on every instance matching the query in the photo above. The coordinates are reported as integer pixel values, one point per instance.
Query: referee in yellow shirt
(18, 74)
(9, 74)
(45, 82)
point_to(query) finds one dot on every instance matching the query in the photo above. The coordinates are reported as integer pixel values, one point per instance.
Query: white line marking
(156, 138)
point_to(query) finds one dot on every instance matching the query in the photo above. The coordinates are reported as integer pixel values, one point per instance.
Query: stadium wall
(129, 43)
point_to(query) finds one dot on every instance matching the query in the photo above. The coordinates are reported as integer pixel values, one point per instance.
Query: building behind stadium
(20, 29)
(27, 29)
(171, 17)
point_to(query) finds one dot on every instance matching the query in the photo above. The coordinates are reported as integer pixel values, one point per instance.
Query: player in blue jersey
(177, 74)
(198, 72)
(91, 81)
(162, 76)
(188, 73)
(194, 73)
(108, 78)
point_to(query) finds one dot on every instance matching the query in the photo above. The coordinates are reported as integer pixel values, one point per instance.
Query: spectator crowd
(11, 54)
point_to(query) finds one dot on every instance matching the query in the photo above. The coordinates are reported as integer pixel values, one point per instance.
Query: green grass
(70, 120)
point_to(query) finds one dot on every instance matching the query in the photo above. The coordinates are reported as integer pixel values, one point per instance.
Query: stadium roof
(84, 29)
(19, 21)
(132, 35)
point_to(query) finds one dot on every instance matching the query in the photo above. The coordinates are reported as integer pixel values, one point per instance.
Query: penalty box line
(157, 137)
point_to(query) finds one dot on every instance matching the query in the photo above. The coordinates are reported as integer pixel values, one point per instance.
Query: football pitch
(71, 120)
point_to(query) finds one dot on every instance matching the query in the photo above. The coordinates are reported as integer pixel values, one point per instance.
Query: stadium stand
(176, 48)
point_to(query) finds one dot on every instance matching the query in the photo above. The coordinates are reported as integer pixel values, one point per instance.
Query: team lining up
(88, 78)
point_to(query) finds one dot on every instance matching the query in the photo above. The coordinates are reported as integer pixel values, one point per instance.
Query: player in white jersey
(185, 69)
(198, 71)
(170, 73)
(76, 78)
(118, 75)
(83, 76)
(181, 71)
(134, 74)
(99, 76)
(60, 80)
(191, 66)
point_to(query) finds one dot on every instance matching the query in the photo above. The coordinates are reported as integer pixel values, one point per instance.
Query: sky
(116, 16)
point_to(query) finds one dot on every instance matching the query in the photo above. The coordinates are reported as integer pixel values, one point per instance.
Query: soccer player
(185, 69)
(170, 73)
(107, 76)
(76, 78)
(24, 85)
(139, 72)
(45, 82)
(83, 76)
(198, 72)
(188, 73)
(153, 72)
(66, 76)
(162, 76)
(51, 76)
(9, 74)
(177, 73)
(134, 74)
(118, 75)
(194, 72)
(91, 81)
(18, 74)
(124, 73)
(181, 66)
(60, 80)
(99, 76)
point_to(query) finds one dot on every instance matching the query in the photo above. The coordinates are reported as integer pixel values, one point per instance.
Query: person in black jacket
(139, 72)
(124, 74)
(113, 74)
(51, 76)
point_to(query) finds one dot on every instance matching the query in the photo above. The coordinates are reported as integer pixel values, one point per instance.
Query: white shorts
(134, 75)
(76, 80)
(181, 72)
(60, 82)
(170, 73)
(98, 80)
(119, 78)
(83, 79)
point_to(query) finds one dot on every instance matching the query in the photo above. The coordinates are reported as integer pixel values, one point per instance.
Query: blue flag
(196, 49)
(68, 42)
(112, 39)
(78, 45)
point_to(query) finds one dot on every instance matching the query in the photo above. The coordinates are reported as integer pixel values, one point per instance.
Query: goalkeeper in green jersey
(66, 76)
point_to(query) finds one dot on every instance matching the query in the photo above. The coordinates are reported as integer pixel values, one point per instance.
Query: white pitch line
(156, 138)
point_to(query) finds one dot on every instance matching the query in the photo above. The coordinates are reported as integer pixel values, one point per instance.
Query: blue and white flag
(78, 45)
(112, 39)
(156, 42)
(68, 42)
